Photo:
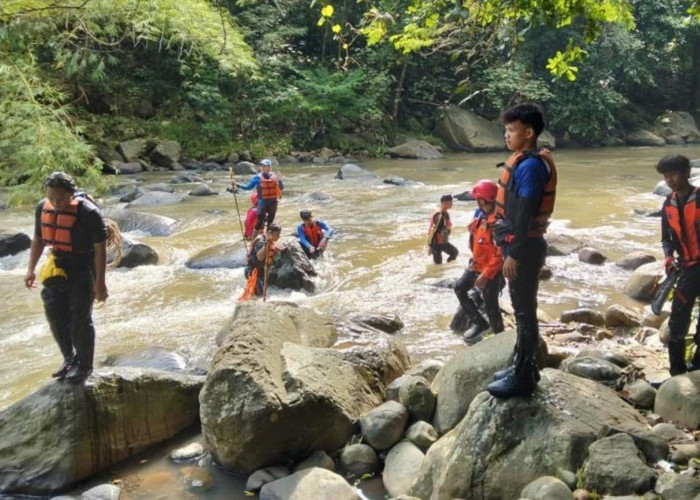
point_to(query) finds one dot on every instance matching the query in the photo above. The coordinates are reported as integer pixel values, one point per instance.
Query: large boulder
(352, 171)
(521, 439)
(228, 255)
(166, 153)
(315, 483)
(151, 224)
(562, 244)
(468, 373)
(644, 138)
(12, 243)
(267, 396)
(615, 466)
(641, 284)
(401, 465)
(415, 149)
(462, 130)
(678, 400)
(136, 254)
(133, 149)
(292, 268)
(64, 433)
(633, 260)
(677, 124)
(151, 198)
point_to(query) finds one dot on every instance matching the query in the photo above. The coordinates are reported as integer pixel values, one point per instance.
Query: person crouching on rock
(483, 275)
(313, 234)
(439, 232)
(74, 273)
(264, 249)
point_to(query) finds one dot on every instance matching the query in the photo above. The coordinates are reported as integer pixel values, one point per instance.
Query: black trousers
(684, 298)
(438, 248)
(266, 214)
(523, 295)
(68, 308)
(489, 293)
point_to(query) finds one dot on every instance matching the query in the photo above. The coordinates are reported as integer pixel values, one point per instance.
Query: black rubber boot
(77, 375)
(63, 370)
(476, 330)
(676, 357)
(503, 373)
(513, 384)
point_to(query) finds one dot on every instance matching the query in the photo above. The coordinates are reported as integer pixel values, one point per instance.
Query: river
(376, 263)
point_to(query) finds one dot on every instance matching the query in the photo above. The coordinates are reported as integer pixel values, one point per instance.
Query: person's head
(265, 165)
(60, 189)
(676, 171)
(254, 199)
(446, 201)
(524, 123)
(484, 192)
(306, 216)
(274, 231)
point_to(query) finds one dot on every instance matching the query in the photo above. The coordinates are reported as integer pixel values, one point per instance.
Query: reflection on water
(377, 263)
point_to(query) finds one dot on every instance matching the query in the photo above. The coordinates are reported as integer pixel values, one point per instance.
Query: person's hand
(510, 268)
(429, 248)
(669, 264)
(312, 249)
(481, 281)
(323, 243)
(100, 291)
(30, 280)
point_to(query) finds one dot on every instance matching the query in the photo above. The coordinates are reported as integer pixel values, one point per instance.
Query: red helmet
(485, 190)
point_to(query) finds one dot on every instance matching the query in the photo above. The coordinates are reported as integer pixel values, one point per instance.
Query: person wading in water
(439, 232)
(524, 204)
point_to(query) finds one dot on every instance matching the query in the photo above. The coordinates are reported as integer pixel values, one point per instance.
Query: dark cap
(446, 197)
(305, 214)
(60, 180)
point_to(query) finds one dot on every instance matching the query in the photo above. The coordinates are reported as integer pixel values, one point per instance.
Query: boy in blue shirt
(313, 234)
(524, 204)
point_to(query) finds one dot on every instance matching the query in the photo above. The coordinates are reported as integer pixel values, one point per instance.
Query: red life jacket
(685, 224)
(506, 188)
(56, 225)
(314, 233)
(486, 256)
(269, 188)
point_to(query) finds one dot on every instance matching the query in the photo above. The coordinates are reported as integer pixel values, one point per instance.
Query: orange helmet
(485, 190)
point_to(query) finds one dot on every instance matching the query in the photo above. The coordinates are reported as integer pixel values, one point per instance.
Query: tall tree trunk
(399, 91)
(695, 75)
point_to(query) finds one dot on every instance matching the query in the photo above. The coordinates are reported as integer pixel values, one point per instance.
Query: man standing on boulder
(262, 252)
(269, 187)
(74, 273)
(680, 233)
(524, 204)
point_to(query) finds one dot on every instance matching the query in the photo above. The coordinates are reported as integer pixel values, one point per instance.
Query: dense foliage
(219, 76)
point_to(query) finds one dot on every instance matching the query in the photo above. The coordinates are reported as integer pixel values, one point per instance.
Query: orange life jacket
(685, 224)
(437, 230)
(56, 225)
(486, 256)
(269, 188)
(506, 190)
(314, 233)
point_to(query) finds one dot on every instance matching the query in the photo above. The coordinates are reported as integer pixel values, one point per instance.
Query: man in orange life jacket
(439, 232)
(269, 188)
(74, 229)
(484, 271)
(313, 234)
(680, 234)
(524, 203)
